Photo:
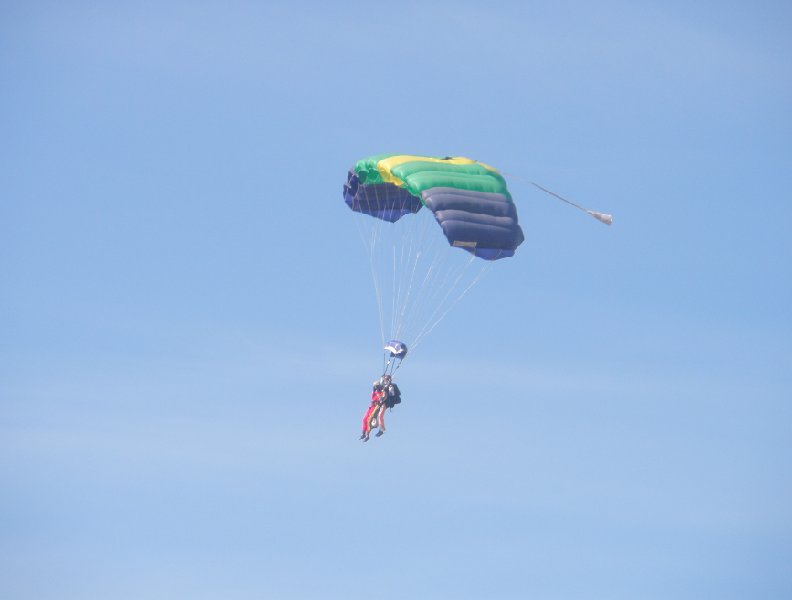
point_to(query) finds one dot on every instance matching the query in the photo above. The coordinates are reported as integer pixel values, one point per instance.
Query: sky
(189, 329)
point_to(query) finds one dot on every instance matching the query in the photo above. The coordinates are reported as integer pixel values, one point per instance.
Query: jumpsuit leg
(381, 418)
(367, 420)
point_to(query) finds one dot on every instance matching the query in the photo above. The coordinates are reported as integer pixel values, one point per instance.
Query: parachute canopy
(396, 349)
(469, 199)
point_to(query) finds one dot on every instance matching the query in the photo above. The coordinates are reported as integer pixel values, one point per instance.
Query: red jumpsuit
(377, 397)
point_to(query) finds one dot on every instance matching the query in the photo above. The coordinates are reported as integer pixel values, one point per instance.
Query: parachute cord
(375, 235)
(433, 283)
(415, 239)
(393, 293)
(379, 296)
(394, 366)
(415, 251)
(545, 190)
(439, 305)
(418, 244)
(464, 293)
(444, 279)
(369, 242)
(409, 293)
(393, 371)
(451, 306)
(600, 216)
(406, 257)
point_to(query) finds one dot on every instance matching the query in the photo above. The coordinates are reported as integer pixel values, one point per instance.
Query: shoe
(362, 435)
(365, 438)
(380, 432)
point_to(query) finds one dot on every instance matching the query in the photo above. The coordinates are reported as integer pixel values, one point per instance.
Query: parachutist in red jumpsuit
(375, 413)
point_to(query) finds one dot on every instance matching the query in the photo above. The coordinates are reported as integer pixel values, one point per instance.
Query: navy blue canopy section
(483, 223)
(396, 348)
(381, 200)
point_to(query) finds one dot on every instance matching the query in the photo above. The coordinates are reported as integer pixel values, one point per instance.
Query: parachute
(396, 349)
(469, 199)
(418, 272)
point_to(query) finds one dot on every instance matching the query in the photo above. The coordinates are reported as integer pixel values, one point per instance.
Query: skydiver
(392, 392)
(377, 406)
(379, 414)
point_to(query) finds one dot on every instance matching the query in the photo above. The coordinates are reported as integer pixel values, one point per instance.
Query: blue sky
(189, 329)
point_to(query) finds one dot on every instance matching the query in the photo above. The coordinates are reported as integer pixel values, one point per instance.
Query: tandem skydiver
(384, 394)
